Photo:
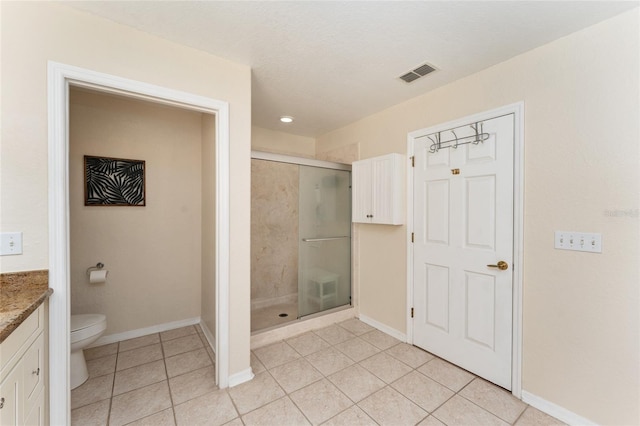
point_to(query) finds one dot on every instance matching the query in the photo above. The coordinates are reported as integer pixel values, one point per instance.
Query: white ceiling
(329, 63)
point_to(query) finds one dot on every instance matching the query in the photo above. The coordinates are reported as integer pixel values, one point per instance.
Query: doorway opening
(61, 78)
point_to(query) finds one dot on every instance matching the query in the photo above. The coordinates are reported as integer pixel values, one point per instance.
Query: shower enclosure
(300, 238)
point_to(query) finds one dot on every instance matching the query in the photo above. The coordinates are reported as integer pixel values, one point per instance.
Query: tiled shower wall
(274, 232)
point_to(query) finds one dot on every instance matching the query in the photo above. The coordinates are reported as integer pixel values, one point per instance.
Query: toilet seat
(87, 325)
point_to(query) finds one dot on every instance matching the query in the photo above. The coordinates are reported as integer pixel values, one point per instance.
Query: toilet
(85, 329)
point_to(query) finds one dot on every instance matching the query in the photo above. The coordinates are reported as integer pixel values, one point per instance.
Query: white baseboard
(384, 328)
(560, 413)
(209, 336)
(241, 377)
(132, 334)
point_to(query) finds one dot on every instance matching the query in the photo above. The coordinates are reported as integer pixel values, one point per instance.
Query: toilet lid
(79, 322)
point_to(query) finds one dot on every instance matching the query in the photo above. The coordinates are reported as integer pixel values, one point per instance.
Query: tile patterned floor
(345, 374)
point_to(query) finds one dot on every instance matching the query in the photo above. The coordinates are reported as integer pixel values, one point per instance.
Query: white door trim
(60, 76)
(517, 110)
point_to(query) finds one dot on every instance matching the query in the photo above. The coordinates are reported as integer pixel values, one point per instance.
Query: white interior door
(463, 222)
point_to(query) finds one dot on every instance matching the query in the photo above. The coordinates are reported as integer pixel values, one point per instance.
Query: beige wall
(34, 33)
(274, 231)
(208, 290)
(282, 143)
(152, 252)
(581, 321)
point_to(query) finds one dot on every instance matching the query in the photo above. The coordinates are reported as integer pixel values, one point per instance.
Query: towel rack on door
(438, 144)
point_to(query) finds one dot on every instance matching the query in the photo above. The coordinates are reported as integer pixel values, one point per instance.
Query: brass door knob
(502, 265)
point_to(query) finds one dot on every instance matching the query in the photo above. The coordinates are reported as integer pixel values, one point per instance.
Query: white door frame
(517, 110)
(60, 77)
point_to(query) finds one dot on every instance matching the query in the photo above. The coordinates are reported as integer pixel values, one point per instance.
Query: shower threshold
(269, 318)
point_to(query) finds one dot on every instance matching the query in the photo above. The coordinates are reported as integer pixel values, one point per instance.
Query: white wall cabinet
(377, 188)
(23, 373)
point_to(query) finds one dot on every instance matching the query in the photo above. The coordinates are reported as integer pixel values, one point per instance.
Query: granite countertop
(21, 293)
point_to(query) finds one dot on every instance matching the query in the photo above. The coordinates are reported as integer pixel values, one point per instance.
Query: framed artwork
(113, 182)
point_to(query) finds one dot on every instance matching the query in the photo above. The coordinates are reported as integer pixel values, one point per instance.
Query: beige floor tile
(163, 418)
(212, 355)
(329, 360)
(535, 417)
(455, 378)
(427, 393)
(102, 366)
(334, 334)
(278, 412)
(307, 343)
(276, 354)
(357, 349)
(178, 332)
(352, 416)
(380, 340)
(320, 401)
(356, 382)
(139, 377)
(188, 361)
(256, 366)
(138, 356)
(356, 326)
(95, 414)
(459, 411)
(295, 374)
(262, 390)
(494, 399)
(388, 407)
(93, 390)
(213, 408)
(192, 384)
(235, 422)
(182, 345)
(431, 421)
(386, 367)
(412, 356)
(139, 404)
(100, 351)
(139, 342)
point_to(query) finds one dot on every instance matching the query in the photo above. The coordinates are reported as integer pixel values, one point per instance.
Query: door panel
(463, 221)
(324, 222)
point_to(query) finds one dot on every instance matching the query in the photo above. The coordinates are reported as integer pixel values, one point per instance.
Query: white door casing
(465, 311)
(60, 77)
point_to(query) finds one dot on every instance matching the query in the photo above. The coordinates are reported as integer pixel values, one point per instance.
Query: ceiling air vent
(415, 74)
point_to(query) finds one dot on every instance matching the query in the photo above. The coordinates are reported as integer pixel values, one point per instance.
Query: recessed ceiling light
(286, 119)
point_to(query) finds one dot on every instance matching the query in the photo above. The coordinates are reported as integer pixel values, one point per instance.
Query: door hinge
(411, 312)
(412, 236)
(413, 161)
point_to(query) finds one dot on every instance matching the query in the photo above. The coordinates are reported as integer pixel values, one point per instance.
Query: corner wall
(581, 310)
(208, 249)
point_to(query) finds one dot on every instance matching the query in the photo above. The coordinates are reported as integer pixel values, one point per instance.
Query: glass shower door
(324, 272)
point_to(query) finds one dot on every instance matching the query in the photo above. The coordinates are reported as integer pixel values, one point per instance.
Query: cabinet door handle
(1, 403)
(36, 372)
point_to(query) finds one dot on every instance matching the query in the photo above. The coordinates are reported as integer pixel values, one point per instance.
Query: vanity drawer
(19, 340)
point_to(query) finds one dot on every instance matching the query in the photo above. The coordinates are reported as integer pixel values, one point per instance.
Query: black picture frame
(114, 182)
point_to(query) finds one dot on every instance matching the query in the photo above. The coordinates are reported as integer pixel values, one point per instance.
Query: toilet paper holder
(98, 266)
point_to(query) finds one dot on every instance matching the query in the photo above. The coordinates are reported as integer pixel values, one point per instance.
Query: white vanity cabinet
(377, 185)
(23, 373)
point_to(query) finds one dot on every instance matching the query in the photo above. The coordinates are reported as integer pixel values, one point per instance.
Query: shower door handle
(313, 240)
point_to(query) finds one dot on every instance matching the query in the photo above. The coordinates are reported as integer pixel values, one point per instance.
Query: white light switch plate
(578, 241)
(10, 243)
